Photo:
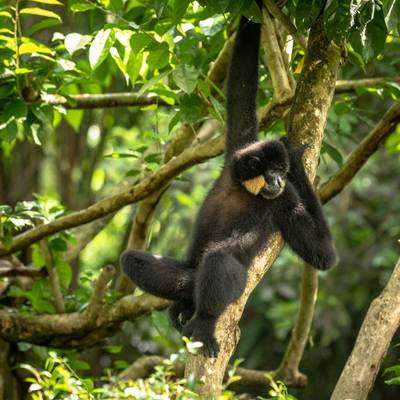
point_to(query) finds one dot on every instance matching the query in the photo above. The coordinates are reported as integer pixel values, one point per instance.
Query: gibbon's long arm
(242, 126)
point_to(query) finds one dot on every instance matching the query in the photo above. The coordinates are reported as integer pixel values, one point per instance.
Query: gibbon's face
(262, 168)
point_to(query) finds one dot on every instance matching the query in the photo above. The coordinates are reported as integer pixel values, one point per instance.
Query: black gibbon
(263, 188)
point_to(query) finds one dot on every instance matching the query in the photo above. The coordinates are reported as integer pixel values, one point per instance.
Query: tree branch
(289, 368)
(106, 100)
(286, 22)
(379, 326)
(361, 153)
(349, 86)
(53, 276)
(123, 99)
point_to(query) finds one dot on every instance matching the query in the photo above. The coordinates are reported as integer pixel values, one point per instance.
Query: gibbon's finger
(255, 185)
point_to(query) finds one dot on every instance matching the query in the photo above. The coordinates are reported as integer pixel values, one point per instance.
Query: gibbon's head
(261, 168)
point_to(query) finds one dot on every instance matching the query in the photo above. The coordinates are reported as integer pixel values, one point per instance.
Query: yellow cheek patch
(254, 185)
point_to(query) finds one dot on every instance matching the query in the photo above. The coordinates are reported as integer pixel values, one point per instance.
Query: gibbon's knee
(161, 276)
(220, 281)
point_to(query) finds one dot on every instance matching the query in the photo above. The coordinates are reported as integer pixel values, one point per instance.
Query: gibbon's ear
(255, 185)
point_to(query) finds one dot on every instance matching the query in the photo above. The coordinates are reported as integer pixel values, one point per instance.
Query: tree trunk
(379, 326)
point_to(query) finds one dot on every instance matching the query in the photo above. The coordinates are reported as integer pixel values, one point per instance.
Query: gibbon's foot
(202, 330)
(180, 313)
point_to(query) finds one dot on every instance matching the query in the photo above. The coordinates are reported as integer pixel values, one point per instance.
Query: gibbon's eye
(253, 163)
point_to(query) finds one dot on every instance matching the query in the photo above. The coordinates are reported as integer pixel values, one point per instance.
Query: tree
(63, 88)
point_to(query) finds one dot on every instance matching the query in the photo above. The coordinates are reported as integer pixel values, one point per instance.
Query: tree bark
(379, 326)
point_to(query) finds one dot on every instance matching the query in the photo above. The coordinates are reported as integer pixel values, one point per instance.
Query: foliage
(59, 380)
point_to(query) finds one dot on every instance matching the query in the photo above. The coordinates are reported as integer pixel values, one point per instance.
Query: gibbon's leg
(220, 280)
(180, 313)
(161, 276)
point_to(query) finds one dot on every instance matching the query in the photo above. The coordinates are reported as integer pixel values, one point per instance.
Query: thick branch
(361, 153)
(379, 326)
(65, 330)
(106, 100)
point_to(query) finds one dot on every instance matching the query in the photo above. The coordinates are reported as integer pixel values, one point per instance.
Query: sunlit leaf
(54, 2)
(179, 8)
(159, 56)
(100, 47)
(29, 48)
(185, 77)
(76, 41)
(40, 12)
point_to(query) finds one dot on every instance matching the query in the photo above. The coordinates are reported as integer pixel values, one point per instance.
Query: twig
(349, 86)
(361, 153)
(289, 368)
(53, 277)
(23, 271)
(286, 22)
(99, 292)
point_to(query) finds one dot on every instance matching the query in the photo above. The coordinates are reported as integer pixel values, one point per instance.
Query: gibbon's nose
(274, 181)
(279, 181)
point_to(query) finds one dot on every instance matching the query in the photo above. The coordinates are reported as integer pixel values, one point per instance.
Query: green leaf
(159, 57)
(179, 8)
(334, 153)
(54, 2)
(393, 381)
(139, 41)
(76, 41)
(64, 272)
(113, 349)
(391, 10)
(37, 257)
(40, 12)
(161, 322)
(29, 48)
(100, 47)
(74, 118)
(185, 77)
(80, 6)
(43, 24)
(16, 108)
(58, 244)
(133, 66)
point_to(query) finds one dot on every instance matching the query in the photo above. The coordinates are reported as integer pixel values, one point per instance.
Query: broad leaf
(76, 41)
(185, 77)
(40, 12)
(100, 47)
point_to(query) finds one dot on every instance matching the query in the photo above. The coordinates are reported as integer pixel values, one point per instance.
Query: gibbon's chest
(235, 210)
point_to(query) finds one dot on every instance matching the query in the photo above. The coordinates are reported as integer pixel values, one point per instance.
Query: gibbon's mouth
(269, 194)
(258, 186)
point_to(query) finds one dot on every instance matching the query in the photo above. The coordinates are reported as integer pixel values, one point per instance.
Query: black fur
(233, 225)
